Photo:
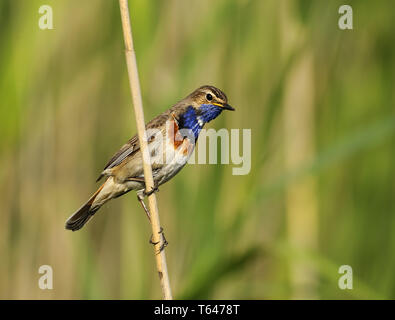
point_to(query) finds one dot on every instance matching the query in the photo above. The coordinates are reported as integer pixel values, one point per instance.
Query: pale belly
(175, 160)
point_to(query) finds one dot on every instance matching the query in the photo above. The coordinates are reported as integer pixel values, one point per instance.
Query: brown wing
(133, 145)
(126, 150)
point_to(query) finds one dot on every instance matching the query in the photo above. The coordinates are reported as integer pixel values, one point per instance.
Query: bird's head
(208, 102)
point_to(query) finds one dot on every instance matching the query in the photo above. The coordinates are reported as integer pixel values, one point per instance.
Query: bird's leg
(140, 198)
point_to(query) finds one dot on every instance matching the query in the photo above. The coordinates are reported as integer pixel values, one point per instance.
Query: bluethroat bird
(171, 135)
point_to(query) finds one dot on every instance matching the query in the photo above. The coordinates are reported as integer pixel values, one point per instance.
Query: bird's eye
(209, 97)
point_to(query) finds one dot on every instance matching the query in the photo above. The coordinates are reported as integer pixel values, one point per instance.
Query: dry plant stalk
(149, 181)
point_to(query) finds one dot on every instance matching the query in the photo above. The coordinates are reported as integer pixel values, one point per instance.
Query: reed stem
(149, 181)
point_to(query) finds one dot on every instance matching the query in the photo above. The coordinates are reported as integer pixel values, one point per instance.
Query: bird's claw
(164, 241)
(153, 190)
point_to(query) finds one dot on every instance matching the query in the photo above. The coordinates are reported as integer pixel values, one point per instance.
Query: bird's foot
(164, 241)
(153, 190)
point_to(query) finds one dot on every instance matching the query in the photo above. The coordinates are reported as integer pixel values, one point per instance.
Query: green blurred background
(320, 194)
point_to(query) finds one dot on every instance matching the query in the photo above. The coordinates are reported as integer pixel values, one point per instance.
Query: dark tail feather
(83, 214)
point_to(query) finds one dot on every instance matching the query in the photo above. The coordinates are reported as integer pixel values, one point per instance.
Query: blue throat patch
(195, 122)
(209, 112)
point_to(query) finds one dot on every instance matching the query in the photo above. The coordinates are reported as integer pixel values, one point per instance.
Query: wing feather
(127, 149)
(133, 145)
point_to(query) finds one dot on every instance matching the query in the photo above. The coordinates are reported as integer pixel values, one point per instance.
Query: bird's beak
(227, 107)
(224, 106)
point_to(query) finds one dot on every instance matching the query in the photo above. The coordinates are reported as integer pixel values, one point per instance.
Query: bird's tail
(83, 214)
